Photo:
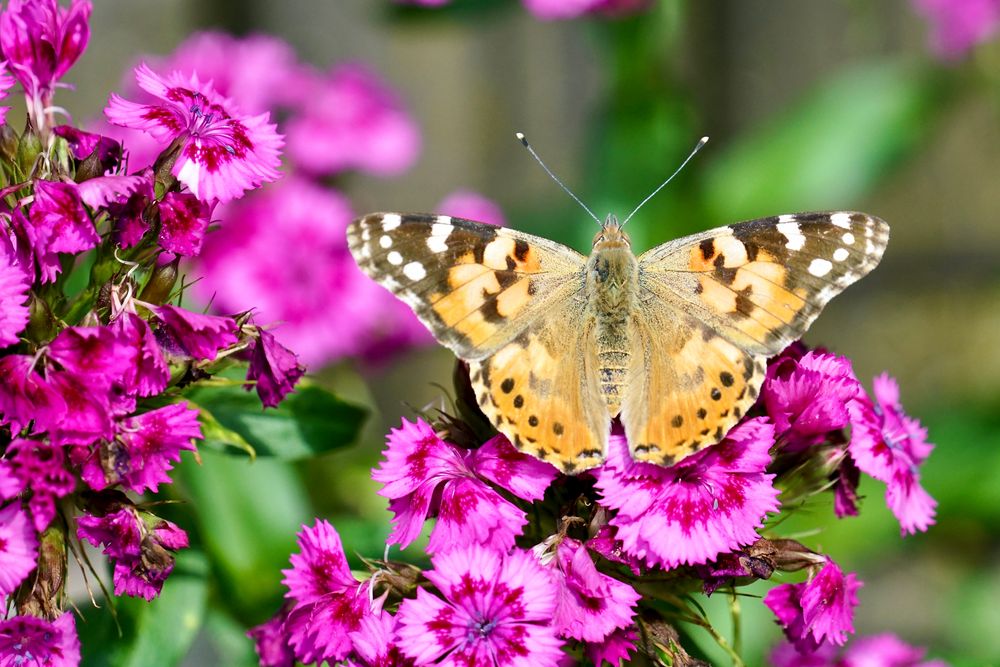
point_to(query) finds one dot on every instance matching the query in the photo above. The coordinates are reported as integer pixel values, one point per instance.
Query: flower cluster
(339, 121)
(530, 566)
(95, 358)
(563, 9)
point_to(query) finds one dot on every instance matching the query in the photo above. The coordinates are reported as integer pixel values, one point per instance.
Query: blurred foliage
(829, 149)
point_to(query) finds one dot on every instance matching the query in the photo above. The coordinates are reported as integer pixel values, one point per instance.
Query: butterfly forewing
(475, 286)
(740, 293)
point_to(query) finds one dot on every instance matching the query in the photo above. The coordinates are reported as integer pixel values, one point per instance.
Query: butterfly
(673, 342)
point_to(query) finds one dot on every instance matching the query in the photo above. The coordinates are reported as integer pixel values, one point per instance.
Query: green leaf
(247, 514)
(153, 633)
(309, 422)
(829, 150)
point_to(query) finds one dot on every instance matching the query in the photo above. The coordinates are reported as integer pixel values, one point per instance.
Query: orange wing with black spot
(475, 286)
(714, 306)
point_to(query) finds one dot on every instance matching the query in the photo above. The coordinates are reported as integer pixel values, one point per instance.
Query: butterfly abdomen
(612, 282)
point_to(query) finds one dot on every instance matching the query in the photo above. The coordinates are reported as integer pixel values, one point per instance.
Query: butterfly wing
(512, 305)
(475, 286)
(729, 298)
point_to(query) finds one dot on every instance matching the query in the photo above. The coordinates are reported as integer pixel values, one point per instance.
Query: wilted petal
(274, 369)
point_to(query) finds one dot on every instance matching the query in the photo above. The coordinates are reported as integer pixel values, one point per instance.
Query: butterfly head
(611, 235)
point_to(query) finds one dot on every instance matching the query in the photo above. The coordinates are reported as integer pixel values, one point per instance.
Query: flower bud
(29, 147)
(44, 596)
(161, 282)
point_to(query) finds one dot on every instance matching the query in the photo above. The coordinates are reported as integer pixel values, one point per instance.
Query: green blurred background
(810, 106)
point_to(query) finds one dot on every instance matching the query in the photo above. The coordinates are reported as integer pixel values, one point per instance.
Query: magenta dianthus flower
(183, 221)
(59, 224)
(14, 284)
(29, 640)
(18, 547)
(614, 649)
(709, 503)
(819, 610)
(496, 610)
(958, 25)
(6, 82)
(376, 643)
(328, 602)
(274, 369)
(196, 335)
(591, 606)
(567, 9)
(41, 467)
(222, 153)
(884, 650)
(253, 71)
(283, 252)
(424, 475)
(350, 119)
(41, 41)
(271, 641)
(890, 446)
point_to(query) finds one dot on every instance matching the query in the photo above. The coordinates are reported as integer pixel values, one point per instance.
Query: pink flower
(810, 396)
(148, 372)
(100, 191)
(709, 503)
(423, 475)
(6, 82)
(350, 119)
(816, 611)
(59, 224)
(40, 467)
(328, 603)
(41, 41)
(222, 153)
(143, 453)
(253, 71)
(283, 252)
(883, 650)
(195, 335)
(472, 206)
(83, 145)
(270, 641)
(25, 396)
(890, 446)
(614, 649)
(29, 640)
(591, 606)
(18, 548)
(567, 9)
(274, 369)
(958, 25)
(183, 220)
(14, 284)
(496, 610)
(139, 549)
(376, 643)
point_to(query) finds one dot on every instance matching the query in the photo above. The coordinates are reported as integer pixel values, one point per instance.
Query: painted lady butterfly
(673, 342)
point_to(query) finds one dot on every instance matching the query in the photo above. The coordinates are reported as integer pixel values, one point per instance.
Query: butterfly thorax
(612, 286)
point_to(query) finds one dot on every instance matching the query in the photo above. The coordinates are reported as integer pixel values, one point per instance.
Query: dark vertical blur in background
(809, 106)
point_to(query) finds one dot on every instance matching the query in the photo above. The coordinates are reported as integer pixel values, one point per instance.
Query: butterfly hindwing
(727, 299)
(541, 390)
(475, 286)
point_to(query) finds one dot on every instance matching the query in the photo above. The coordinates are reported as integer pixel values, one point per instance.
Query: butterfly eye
(600, 239)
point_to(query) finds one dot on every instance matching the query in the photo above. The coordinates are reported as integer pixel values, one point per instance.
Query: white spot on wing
(443, 220)
(390, 221)
(820, 267)
(790, 230)
(786, 218)
(840, 254)
(841, 220)
(847, 238)
(385, 241)
(394, 258)
(414, 271)
(437, 243)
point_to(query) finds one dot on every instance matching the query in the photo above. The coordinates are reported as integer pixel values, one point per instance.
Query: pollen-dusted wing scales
(543, 328)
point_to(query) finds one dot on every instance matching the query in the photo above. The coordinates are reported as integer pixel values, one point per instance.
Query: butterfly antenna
(523, 140)
(704, 140)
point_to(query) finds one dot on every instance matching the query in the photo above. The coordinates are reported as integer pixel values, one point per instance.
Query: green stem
(737, 615)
